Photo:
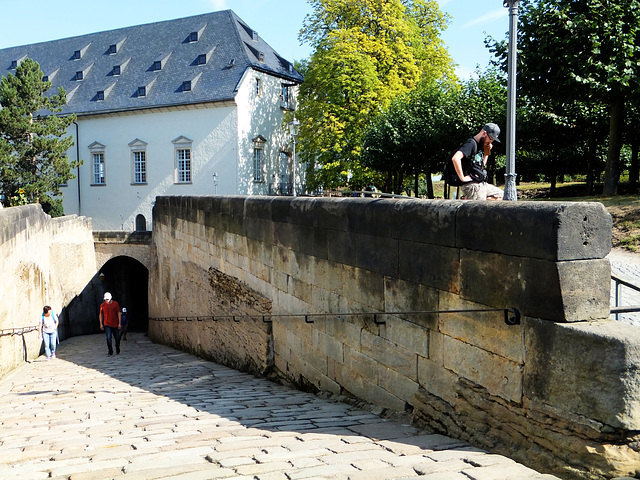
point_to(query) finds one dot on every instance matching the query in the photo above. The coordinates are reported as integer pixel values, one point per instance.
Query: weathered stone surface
(555, 231)
(564, 291)
(587, 368)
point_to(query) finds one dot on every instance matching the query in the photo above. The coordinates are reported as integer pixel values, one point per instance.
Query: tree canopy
(366, 53)
(33, 146)
(588, 51)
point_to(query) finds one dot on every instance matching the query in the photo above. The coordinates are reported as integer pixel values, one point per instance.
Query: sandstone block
(589, 369)
(565, 291)
(430, 265)
(500, 376)
(555, 231)
(437, 380)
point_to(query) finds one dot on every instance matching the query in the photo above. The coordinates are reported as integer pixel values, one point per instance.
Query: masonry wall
(43, 261)
(559, 392)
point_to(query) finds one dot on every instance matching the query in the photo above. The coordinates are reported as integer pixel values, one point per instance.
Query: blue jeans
(49, 343)
(115, 332)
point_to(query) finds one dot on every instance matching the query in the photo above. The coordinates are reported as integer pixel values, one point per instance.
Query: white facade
(219, 136)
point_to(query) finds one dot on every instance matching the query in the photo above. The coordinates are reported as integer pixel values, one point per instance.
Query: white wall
(115, 205)
(222, 137)
(260, 115)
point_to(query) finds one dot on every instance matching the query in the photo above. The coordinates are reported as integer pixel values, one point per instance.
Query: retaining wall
(559, 392)
(43, 261)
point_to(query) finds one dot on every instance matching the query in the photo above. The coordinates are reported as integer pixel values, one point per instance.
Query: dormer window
(261, 56)
(79, 75)
(100, 95)
(186, 86)
(202, 59)
(157, 65)
(255, 36)
(113, 49)
(142, 91)
(116, 70)
(14, 64)
(77, 55)
(193, 37)
(45, 78)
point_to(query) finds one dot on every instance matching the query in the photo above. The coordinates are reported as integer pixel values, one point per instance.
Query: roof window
(202, 59)
(142, 91)
(14, 64)
(113, 49)
(116, 70)
(157, 65)
(45, 78)
(193, 37)
(186, 86)
(255, 36)
(79, 75)
(100, 95)
(77, 55)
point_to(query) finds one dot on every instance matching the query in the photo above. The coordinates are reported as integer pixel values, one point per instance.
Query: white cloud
(218, 5)
(487, 18)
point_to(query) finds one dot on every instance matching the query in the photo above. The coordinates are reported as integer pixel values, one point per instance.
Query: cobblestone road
(156, 413)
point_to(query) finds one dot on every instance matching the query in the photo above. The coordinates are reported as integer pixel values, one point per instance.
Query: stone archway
(128, 281)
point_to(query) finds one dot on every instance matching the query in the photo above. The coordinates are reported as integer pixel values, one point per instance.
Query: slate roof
(227, 43)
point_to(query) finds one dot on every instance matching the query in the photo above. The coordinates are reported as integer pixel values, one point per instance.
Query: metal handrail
(511, 316)
(619, 283)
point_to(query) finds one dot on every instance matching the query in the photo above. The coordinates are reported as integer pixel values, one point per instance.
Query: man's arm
(457, 164)
(101, 319)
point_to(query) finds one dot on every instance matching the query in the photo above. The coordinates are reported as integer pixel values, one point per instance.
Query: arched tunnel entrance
(128, 281)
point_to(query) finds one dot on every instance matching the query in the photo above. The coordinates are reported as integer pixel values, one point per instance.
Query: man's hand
(101, 327)
(487, 149)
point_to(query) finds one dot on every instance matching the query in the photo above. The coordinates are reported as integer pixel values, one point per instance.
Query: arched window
(141, 223)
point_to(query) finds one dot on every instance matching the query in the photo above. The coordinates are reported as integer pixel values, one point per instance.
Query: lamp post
(294, 125)
(510, 192)
(215, 183)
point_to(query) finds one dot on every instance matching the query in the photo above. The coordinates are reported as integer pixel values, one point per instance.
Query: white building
(182, 107)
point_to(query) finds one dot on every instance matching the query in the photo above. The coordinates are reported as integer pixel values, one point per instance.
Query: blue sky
(277, 21)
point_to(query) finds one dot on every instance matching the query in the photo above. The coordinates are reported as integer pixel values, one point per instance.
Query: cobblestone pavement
(153, 412)
(626, 265)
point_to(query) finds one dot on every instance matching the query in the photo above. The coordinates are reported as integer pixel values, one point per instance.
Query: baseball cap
(124, 309)
(107, 296)
(493, 130)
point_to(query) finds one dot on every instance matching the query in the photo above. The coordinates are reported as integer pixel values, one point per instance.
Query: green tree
(33, 145)
(586, 50)
(366, 53)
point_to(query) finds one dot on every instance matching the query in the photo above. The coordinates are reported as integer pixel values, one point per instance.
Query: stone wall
(43, 261)
(559, 392)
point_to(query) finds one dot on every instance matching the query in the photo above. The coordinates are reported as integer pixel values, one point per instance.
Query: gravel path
(626, 265)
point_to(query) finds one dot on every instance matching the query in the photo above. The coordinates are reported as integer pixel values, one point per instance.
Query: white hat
(124, 309)
(107, 296)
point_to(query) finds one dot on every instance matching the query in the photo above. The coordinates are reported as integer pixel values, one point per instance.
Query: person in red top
(110, 321)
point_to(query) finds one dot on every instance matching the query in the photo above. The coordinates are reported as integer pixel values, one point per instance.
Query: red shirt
(109, 312)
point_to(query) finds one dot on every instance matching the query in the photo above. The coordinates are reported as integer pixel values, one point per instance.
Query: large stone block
(590, 369)
(377, 254)
(563, 291)
(555, 231)
(430, 265)
(500, 376)
(437, 380)
(397, 384)
(485, 330)
(389, 354)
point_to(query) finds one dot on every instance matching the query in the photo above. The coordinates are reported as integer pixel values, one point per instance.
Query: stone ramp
(153, 412)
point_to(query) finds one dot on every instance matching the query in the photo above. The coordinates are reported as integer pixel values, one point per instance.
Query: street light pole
(294, 125)
(510, 192)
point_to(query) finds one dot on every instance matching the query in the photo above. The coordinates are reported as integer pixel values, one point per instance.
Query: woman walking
(49, 331)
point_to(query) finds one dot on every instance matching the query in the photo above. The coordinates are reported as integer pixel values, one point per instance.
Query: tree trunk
(591, 161)
(554, 174)
(634, 170)
(616, 124)
(415, 183)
